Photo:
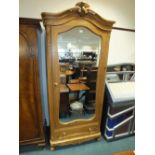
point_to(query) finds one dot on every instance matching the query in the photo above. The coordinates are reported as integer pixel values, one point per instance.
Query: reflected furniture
(68, 73)
(64, 100)
(77, 87)
(91, 82)
(67, 33)
(30, 108)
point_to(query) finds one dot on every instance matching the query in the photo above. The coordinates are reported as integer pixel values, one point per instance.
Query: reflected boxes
(62, 78)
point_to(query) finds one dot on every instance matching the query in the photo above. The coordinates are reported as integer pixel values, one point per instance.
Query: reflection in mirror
(79, 51)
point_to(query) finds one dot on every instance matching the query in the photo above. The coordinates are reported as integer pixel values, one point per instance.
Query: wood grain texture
(114, 28)
(81, 10)
(30, 114)
(76, 131)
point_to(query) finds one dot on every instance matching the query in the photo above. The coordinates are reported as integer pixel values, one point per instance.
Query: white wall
(121, 11)
(122, 47)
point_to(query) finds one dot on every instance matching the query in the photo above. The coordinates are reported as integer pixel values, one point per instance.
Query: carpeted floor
(90, 148)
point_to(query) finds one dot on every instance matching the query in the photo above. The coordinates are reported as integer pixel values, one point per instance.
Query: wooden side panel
(30, 115)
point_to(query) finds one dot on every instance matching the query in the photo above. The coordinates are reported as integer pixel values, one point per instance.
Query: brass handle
(55, 84)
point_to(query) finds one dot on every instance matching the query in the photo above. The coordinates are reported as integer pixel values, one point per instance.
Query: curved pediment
(80, 11)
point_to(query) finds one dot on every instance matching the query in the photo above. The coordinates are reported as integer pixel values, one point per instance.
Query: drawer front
(71, 132)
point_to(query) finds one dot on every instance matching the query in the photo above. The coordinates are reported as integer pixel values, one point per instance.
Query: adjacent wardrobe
(30, 108)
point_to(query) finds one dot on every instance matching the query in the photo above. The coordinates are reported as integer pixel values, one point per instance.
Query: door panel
(30, 118)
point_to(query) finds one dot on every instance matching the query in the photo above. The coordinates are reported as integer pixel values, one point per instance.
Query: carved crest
(83, 8)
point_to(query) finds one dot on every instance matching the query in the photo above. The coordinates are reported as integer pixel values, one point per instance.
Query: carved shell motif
(83, 8)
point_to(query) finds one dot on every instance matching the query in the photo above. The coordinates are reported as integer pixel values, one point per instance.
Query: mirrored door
(79, 52)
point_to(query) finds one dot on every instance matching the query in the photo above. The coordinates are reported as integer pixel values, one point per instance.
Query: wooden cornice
(80, 11)
(30, 21)
(36, 21)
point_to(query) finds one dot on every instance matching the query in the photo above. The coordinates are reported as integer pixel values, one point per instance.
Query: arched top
(81, 10)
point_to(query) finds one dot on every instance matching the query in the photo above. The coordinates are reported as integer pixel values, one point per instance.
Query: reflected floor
(74, 116)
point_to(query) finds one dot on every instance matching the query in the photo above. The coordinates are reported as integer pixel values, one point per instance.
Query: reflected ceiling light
(81, 31)
(69, 45)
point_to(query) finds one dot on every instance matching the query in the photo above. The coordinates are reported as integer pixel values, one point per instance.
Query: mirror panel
(79, 52)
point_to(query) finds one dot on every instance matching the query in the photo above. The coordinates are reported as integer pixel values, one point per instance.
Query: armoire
(77, 44)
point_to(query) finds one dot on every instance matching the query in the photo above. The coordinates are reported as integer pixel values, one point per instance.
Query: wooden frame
(76, 131)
